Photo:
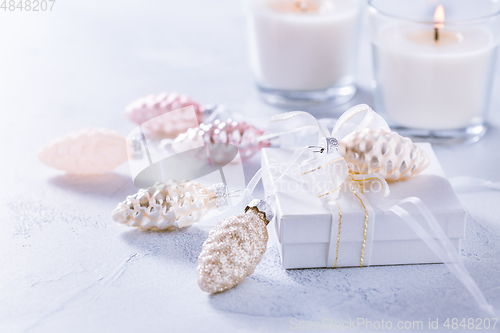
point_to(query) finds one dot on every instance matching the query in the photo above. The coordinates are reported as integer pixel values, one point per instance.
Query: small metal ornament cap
(136, 147)
(221, 195)
(262, 207)
(330, 145)
(326, 145)
(209, 109)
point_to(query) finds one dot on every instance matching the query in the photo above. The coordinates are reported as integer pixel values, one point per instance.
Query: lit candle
(438, 19)
(433, 79)
(303, 45)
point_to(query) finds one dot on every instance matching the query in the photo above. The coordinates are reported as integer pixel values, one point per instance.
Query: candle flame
(439, 17)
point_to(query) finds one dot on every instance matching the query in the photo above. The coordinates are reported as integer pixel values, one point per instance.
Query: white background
(65, 266)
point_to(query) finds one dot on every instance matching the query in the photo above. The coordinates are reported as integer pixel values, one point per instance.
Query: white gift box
(304, 226)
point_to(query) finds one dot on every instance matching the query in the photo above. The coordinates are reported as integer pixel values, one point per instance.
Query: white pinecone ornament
(233, 249)
(169, 206)
(89, 151)
(388, 154)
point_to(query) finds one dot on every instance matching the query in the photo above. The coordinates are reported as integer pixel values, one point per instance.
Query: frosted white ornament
(169, 206)
(388, 154)
(234, 248)
(89, 151)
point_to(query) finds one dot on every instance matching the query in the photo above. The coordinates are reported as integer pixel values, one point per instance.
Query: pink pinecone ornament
(145, 110)
(89, 151)
(238, 133)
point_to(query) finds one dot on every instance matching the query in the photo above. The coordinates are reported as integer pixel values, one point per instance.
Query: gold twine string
(366, 221)
(359, 182)
(367, 179)
(338, 236)
(325, 194)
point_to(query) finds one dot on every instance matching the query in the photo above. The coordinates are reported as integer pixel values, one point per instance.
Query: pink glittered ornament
(238, 133)
(89, 151)
(145, 111)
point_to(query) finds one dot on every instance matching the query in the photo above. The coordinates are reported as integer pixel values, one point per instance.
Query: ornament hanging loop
(237, 193)
(326, 145)
(316, 149)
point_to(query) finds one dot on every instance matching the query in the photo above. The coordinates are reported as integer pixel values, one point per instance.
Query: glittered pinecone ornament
(385, 153)
(169, 206)
(234, 248)
(146, 109)
(89, 151)
(238, 133)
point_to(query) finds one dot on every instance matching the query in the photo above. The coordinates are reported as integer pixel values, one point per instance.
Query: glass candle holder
(303, 51)
(433, 65)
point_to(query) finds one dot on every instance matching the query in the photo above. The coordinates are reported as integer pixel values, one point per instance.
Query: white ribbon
(326, 173)
(472, 183)
(439, 243)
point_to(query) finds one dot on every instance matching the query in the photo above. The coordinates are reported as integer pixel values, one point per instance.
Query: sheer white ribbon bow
(326, 172)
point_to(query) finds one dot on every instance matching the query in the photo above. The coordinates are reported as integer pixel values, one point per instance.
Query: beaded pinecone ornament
(169, 206)
(238, 133)
(146, 109)
(389, 154)
(89, 151)
(234, 248)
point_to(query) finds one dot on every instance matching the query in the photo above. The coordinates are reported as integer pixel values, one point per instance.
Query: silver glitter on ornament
(233, 250)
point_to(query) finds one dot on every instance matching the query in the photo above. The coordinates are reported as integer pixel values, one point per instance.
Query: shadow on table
(274, 292)
(182, 245)
(370, 292)
(109, 184)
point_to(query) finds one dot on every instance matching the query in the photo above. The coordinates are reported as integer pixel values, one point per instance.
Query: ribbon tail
(472, 183)
(440, 245)
(267, 169)
(255, 180)
(296, 155)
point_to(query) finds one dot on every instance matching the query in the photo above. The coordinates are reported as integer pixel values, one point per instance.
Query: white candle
(437, 85)
(303, 45)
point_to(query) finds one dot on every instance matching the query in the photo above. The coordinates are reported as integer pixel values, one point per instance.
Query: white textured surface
(67, 267)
